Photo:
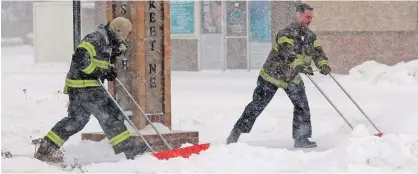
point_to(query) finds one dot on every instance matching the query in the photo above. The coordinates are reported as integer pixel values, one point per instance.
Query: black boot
(304, 143)
(49, 152)
(234, 136)
(137, 150)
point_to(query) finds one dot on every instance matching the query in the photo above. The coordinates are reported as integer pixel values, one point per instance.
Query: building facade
(222, 35)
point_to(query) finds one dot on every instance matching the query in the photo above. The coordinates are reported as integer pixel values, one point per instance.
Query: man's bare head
(304, 14)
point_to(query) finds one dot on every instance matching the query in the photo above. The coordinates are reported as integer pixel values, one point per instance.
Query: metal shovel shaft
(127, 118)
(355, 103)
(330, 102)
(145, 115)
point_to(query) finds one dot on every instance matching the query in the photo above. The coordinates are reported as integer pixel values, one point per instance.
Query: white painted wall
(53, 31)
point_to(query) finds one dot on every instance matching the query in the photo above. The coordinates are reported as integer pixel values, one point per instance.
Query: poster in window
(182, 17)
(211, 17)
(260, 21)
(236, 18)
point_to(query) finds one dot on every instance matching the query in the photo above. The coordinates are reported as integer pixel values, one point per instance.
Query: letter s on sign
(123, 7)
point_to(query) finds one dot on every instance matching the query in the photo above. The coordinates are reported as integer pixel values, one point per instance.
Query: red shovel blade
(184, 152)
(380, 134)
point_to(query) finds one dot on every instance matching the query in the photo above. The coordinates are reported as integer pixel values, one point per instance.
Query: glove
(308, 71)
(111, 74)
(116, 52)
(122, 48)
(324, 69)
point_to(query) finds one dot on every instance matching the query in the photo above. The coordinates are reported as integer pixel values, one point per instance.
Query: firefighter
(294, 48)
(93, 59)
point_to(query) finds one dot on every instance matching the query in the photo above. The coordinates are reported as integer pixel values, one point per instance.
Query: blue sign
(182, 17)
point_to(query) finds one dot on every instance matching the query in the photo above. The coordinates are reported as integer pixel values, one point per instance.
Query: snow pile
(150, 130)
(401, 73)
(388, 153)
(359, 152)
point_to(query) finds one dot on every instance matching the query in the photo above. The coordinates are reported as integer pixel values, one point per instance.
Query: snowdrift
(358, 152)
(403, 73)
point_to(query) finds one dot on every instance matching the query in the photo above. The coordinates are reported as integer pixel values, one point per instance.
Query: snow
(160, 127)
(210, 102)
(401, 73)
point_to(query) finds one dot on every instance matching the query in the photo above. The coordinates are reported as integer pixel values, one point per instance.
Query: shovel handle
(127, 118)
(355, 103)
(330, 102)
(145, 115)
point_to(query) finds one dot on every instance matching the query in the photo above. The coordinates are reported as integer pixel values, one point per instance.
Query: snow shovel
(184, 152)
(339, 112)
(379, 134)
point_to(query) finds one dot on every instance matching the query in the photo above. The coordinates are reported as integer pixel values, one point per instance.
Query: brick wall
(348, 49)
(352, 32)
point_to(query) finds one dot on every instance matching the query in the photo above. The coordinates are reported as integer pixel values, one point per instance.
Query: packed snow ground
(210, 102)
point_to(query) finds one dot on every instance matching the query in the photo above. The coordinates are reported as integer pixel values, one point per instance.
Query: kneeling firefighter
(93, 59)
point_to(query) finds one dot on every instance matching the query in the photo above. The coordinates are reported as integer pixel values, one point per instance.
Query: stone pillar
(145, 69)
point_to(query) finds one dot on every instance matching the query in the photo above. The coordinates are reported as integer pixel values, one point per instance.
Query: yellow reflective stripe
(81, 83)
(316, 44)
(89, 69)
(278, 83)
(276, 47)
(119, 138)
(89, 47)
(55, 138)
(323, 62)
(297, 79)
(100, 63)
(284, 39)
(307, 60)
(92, 52)
(297, 62)
(65, 89)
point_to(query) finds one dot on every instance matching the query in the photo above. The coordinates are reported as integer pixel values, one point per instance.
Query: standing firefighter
(293, 50)
(93, 59)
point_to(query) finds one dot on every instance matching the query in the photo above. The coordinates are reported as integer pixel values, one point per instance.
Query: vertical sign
(182, 17)
(154, 57)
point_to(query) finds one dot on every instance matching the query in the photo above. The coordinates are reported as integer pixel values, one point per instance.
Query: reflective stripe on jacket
(91, 59)
(293, 49)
